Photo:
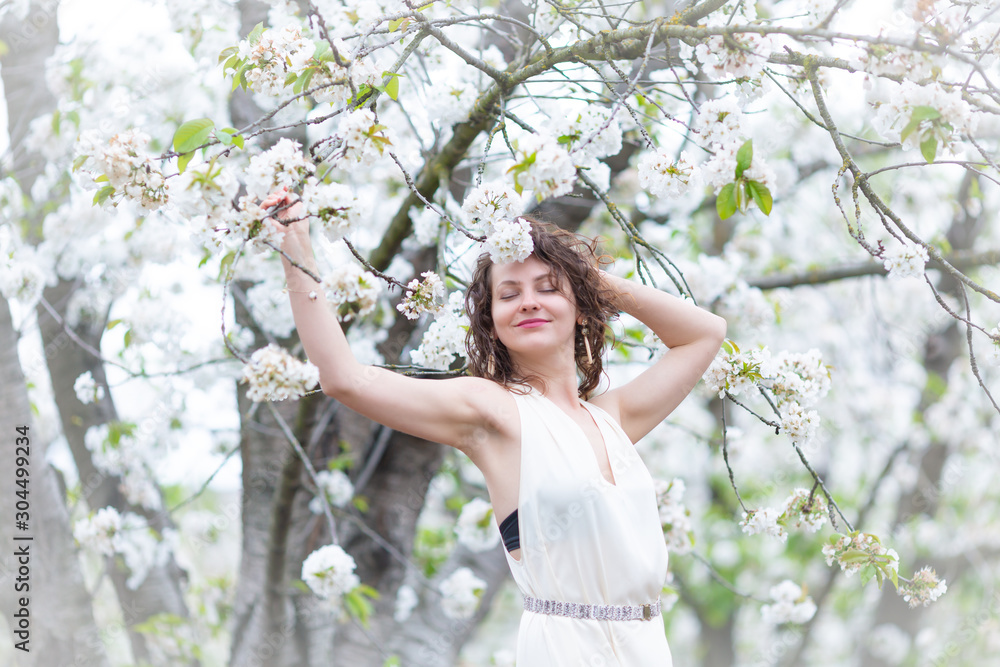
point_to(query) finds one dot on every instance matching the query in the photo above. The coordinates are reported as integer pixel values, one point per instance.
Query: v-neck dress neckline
(605, 439)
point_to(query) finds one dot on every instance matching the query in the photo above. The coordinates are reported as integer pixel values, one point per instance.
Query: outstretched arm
(455, 411)
(693, 337)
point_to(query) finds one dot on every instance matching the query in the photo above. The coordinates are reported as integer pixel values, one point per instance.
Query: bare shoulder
(497, 413)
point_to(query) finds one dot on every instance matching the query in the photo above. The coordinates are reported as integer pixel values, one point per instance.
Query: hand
(295, 242)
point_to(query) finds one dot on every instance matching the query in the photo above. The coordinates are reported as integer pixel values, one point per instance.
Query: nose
(528, 301)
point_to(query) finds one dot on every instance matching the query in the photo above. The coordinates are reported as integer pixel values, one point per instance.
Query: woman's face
(532, 313)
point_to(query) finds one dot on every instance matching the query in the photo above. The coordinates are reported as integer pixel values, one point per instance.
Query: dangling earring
(490, 367)
(586, 343)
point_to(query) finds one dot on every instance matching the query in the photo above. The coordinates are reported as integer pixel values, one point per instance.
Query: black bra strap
(509, 532)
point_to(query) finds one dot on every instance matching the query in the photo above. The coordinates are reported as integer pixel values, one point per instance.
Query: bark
(61, 622)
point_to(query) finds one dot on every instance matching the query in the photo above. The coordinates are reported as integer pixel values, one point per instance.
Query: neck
(555, 377)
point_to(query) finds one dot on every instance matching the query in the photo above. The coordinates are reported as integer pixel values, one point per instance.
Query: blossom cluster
(87, 390)
(422, 296)
(510, 241)
(460, 594)
(246, 223)
(905, 260)
(543, 166)
(763, 521)
(329, 572)
(336, 486)
(492, 204)
(123, 164)
(924, 588)
(445, 337)
(591, 134)
(275, 375)
(799, 377)
(799, 424)
(363, 138)
(855, 551)
(115, 451)
(791, 604)
(734, 56)
(281, 166)
(803, 508)
(270, 57)
(936, 113)
(735, 371)
(674, 516)
(352, 289)
(130, 536)
(335, 205)
(662, 175)
(476, 528)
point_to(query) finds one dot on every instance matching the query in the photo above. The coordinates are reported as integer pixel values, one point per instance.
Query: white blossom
(492, 204)
(802, 508)
(422, 296)
(924, 588)
(363, 139)
(115, 450)
(589, 135)
(674, 516)
(476, 528)
(87, 389)
(123, 163)
(335, 205)
(720, 121)
(791, 604)
(802, 378)
(98, 531)
(798, 424)
(510, 242)
(445, 337)
(543, 166)
(275, 375)
(905, 260)
(270, 56)
(129, 536)
(744, 59)
(329, 572)
(269, 306)
(282, 165)
(460, 594)
(406, 602)
(763, 521)
(352, 289)
(735, 371)
(846, 549)
(661, 175)
(337, 487)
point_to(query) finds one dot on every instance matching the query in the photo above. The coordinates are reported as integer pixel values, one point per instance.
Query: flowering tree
(820, 174)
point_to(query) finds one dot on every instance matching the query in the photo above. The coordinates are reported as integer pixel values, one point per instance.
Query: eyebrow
(544, 276)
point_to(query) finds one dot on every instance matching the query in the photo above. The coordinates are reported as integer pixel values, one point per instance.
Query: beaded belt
(600, 612)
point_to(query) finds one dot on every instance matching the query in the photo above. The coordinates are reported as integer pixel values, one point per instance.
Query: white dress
(585, 540)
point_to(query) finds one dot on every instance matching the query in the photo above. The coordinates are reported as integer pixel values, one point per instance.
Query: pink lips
(531, 324)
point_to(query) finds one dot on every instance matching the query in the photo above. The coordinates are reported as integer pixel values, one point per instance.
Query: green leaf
(78, 162)
(761, 196)
(128, 337)
(925, 113)
(255, 34)
(192, 134)
(112, 324)
(867, 572)
(231, 64)
(392, 88)
(744, 156)
(102, 195)
(224, 138)
(730, 347)
(894, 575)
(928, 148)
(725, 203)
(852, 555)
(238, 140)
(183, 160)
(227, 261)
(228, 53)
(103, 178)
(742, 198)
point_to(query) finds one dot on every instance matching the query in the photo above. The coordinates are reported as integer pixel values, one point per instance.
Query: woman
(581, 531)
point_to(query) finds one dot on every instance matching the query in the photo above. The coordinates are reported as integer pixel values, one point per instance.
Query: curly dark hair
(569, 256)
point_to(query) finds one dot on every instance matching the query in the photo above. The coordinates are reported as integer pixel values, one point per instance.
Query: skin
(535, 318)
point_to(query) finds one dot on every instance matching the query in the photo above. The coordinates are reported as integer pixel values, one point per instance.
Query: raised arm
(693, 337)
(456, 412)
